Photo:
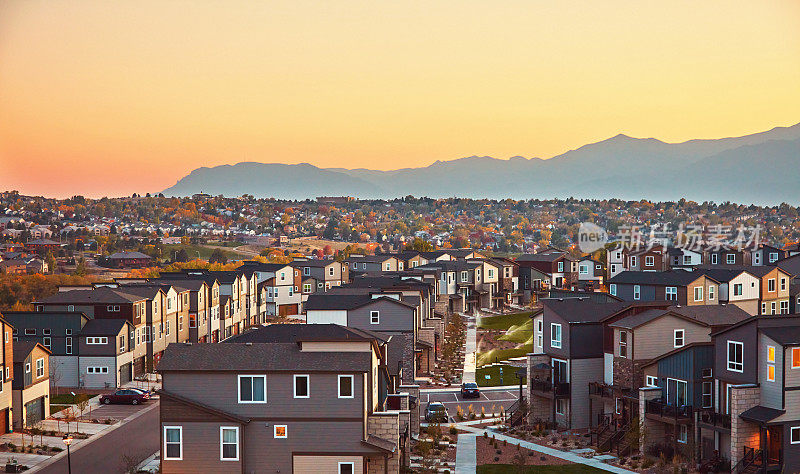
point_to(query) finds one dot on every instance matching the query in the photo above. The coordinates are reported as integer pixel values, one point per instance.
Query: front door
(774, 444)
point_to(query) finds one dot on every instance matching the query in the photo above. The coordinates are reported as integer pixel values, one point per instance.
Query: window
(730, 258)
(707, 372)
(347, 468)
(301, 386)
(651, 381)
(679, 337)
(112, 308)
(633, 261)
(30, 332)
(70, 308)
(637, 292)
(560, 267)
(687, 259)
(672, 293)
(583, 269)
(28, 368)
(783, 284)
(773, 257)
(612, 288)
(279, 431)
(228, 443)
(96, 340)
(46, 332)
(623, 343)
(540, 333)
(796, 357)
(772, 307)
(763, 307)
(122, 343)
(785, 307)
(555, 335)
(173, 443)
(698, 293)
(96, 370)
(39, 367)
(374, 317)
(711, 291)
(346, 386)
(330, 271)
(252, 389)
(69, 345)
(737, 289)
(46, 342)
(683, 434)
(771, 354)
(68, 332)
(795, 434)
(192, 321)
(735, 356)
(306, 287)
(707, 397)
(714, 258)
(771, 284)
(677, 394)
(561, 406)
(770, 373)
(649, 261)
(463, 276)
(613, 268)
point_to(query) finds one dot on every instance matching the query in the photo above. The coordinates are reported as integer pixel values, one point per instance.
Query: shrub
(647, 463)
(453, 430)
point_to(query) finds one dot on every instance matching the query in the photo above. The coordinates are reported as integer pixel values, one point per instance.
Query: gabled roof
(338, 301)
(306, 332)
(312, 263)
(785, 336)
(258, 357)
(94, 296)
(576, 311)
(687, 347)
(635, 320)
(669, 278)
(723, 274)
(549, 255)
(127, 255)
(23, 348)
(103, 327)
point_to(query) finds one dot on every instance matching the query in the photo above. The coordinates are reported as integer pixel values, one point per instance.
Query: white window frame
(308, 385)
(623, 344)
(27, 367)
(583, 269)
(649, 261)
(732, 365)
(773, 257)
(637, 292)
(30, 331)
(221, 444)
(711, 292)
(739, 287)
(634, 261)
(47, 342)
(671, 293)
(69, 345)
(792, 431)
(275, 434)
(239, 388)
(714, 259)
(540, 333)
(374, 317)
(698, 293)
(675, 333)
(558, 401)
(730, 258)
(96, 340)
(179, 443)
(346, 463)
(40, 367)
(352, 386)
(555, 343)
(683, 434)
(710, 394)
(651, 381)
(612, 288)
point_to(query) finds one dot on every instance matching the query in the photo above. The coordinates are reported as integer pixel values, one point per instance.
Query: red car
(125, 395)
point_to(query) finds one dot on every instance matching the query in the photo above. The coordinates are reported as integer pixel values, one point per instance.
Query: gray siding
(771, 392)
(108, 380)
(582, 372)
(394, 317)
(64, 371)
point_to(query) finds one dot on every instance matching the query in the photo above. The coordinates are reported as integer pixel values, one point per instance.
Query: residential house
(763, 254)
(737, 286)
(374, 263)
(280, 287)
(561, 268)
(328, 273)
(590, 269)
(129, 260)
(685, 258)
(31, 386)
(682, 287)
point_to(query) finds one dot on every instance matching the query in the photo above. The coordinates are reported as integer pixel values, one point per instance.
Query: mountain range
(753, 169)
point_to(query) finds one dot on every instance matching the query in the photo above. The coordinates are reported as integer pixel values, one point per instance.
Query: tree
(181, 255)
(51, 262)
(81, 401)
(80, 268)
(420, 245)
(218, 256)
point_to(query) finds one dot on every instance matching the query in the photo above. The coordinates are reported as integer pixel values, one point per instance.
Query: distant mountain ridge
(758, 169)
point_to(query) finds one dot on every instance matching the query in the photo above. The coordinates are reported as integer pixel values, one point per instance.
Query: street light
(68, 440)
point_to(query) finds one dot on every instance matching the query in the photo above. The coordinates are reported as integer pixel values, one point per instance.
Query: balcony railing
(601, 389)
(559, 389)
(713, 418)
(666, 410)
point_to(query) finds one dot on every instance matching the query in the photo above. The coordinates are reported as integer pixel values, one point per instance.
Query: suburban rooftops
(669, 278)
(579, 310)
(716, 315)
(294, 333)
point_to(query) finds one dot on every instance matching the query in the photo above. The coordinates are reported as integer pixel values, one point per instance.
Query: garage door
(327, 464)
(125, 373)
(138, 366)
(4, 421)
(34, 412)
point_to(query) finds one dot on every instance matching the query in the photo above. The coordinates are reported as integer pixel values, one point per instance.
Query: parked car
(144, 392)
(436, 412)
(470, 390)
(126, 395)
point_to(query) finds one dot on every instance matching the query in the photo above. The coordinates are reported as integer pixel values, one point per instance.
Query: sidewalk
(467, 454)
(471, 345)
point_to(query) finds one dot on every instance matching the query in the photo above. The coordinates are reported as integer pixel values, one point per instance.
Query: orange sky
(109, 97)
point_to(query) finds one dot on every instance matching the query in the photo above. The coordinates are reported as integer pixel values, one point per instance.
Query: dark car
(436, 412)
(470, 390)
(125, 395)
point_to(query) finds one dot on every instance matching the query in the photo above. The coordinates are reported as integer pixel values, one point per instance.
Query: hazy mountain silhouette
(757, 168)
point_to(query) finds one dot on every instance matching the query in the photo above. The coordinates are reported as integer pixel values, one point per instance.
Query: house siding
(582, 372)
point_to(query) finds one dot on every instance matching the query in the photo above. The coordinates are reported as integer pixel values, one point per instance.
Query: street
(133, 441)
(489, 397)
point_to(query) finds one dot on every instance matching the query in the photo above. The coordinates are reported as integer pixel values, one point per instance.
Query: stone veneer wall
(539, 408)
(427, 356)
(385, 425)
(629, 373)
(651, 431)
(743, 433)
(413, 391)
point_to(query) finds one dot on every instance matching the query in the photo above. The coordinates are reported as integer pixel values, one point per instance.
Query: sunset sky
(109, 97)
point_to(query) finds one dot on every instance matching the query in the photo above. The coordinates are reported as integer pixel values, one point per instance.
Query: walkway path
(470, 450)
(469, 352)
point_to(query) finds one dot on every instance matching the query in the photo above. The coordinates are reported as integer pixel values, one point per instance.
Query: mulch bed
(487, 340)
(487, 454)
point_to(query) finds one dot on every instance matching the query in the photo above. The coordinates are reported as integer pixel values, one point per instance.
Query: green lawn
(66, 398)
(504, 321)
(509, 376)
(521, 334)
(561, 469)
(500, 355)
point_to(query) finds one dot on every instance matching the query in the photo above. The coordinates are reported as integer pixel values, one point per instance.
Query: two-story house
(296, 398)
(374, 263)
(328, 273)
(31, 386)
(561, 268)
(678, 286)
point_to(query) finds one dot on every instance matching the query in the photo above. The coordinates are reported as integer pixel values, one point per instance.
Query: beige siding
(656, 337)
(325, 464)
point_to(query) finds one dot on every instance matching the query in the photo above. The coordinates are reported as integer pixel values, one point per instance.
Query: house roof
(544, 256)
(306, 332)
(128, 255)
(579, 310)
(103, 327)
(723, 275)
(761, 414)
(271, 357)
(669, 278)
(690, 346)
(93, 296)
(713, 315)
(785, 335)
(337, 301)
(23, 348)
(790, 264)
(635, 320)
(203, 407)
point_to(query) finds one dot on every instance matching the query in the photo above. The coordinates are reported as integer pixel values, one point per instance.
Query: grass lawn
(522, 334)
(504, 321)
(503, 354)
(67, 398)
(509, 376)
(562, 469)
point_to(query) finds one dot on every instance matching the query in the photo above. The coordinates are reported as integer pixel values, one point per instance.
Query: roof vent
(561, 299)
(248, 343)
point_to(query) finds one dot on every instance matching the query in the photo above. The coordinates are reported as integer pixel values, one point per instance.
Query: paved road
(488, 398)
(137, 438)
